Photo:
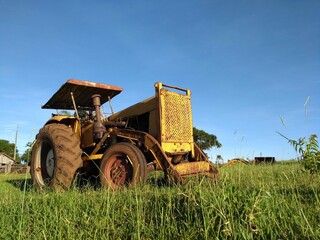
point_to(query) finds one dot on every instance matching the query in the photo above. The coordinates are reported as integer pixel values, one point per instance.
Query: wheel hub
(50, 162)
(121, 170)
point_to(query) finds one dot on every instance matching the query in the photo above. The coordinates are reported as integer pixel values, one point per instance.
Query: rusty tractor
(155, 134)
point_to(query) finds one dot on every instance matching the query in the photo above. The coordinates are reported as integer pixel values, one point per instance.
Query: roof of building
(5, 159)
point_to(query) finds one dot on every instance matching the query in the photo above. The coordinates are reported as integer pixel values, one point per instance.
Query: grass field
(248, 202)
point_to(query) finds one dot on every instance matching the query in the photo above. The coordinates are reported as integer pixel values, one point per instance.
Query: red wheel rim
(119, 169)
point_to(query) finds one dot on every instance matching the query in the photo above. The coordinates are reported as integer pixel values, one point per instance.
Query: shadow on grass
(158, 182)
(22, 184)
(83, 183)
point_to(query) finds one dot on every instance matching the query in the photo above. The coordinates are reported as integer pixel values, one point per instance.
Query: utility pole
(15, 143)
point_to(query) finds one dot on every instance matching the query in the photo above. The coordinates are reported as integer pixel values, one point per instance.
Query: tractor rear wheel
(55, 158)
(123, 164)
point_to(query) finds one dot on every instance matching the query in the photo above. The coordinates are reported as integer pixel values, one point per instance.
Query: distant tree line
(8, 148)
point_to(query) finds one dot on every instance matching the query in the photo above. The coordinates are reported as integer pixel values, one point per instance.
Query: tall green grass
(248, 202)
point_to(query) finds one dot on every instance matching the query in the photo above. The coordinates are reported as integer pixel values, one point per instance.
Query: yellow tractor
(122, 148)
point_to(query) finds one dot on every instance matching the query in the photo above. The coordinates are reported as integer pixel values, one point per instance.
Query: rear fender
(68, 121)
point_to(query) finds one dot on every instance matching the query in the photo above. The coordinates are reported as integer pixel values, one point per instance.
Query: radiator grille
(176, 117)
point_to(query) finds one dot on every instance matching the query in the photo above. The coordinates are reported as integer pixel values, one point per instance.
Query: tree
(65, 113)
(26, 156)
(8, 148)
(205, 140)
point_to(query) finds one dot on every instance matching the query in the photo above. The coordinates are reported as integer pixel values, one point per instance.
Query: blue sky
(249, 64)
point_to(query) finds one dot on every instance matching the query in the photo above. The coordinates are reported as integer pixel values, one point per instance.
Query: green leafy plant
(309, 151)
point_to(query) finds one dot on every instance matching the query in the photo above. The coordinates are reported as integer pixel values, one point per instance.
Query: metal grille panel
(176, 117)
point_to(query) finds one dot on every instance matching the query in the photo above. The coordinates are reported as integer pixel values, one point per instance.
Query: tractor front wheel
(123, 164)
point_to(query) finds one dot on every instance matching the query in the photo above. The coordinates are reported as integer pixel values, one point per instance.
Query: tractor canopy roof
(82, 92)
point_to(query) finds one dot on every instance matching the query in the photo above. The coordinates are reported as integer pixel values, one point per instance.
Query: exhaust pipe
(98, 128)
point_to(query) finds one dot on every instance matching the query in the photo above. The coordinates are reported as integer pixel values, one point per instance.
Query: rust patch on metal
(191, 168)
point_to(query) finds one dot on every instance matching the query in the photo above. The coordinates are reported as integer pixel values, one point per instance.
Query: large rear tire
(55, 158)
(122, 165)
